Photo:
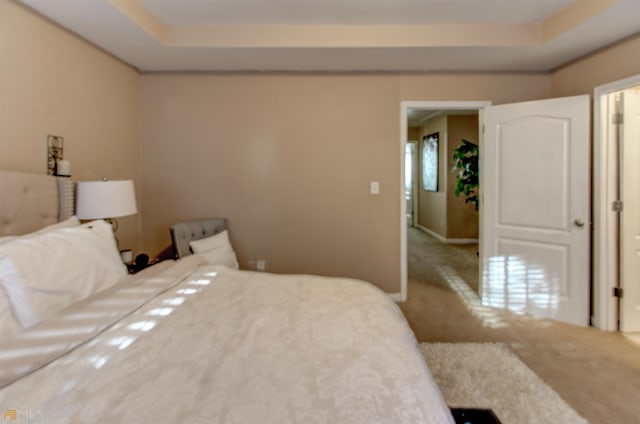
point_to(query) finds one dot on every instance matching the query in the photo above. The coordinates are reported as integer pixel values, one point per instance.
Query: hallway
(597, 373)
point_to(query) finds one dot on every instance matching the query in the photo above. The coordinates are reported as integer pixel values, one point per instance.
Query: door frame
(433, 105)
(414, 179)
(605, 183)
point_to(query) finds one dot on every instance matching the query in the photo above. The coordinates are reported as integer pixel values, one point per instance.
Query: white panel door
(630, 215)
(535, 214)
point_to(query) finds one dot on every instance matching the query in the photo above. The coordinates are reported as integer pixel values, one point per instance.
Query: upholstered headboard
(183, 232)
(29, 201)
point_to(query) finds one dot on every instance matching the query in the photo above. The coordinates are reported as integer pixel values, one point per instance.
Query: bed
(191, 340)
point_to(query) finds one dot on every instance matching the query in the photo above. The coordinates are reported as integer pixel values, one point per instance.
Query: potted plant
(465, 163)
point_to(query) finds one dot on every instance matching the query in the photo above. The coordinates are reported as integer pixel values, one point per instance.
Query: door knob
(579, 222)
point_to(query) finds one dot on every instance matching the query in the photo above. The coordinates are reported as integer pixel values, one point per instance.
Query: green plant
(465, 163)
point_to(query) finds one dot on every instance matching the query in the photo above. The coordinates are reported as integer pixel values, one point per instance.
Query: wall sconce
(56, 165)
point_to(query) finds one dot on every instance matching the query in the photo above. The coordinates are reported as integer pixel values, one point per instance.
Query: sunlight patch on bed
(200, 282)
(77, 316)
(99, 361)
(29, 351)
(142, 325)
(57, 332)
(174, 301)
(122, 342)
(188, 291)
(162, 312)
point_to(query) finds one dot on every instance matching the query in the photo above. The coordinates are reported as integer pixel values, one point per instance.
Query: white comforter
(224, 346)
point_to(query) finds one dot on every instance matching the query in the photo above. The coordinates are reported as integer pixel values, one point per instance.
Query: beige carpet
(596, 373)
(490, 376)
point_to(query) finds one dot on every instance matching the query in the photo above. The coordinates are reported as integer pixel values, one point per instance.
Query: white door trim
(414, 178)
(605, 175)
(404, 107)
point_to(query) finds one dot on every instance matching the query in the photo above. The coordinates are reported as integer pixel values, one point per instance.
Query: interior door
(630, 215)
(535, 215)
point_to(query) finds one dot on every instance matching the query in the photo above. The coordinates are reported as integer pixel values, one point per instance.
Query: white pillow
(7, 239)
(8, 324)
(70, 222)
(67, 223)
(216, 250)
(43, 273)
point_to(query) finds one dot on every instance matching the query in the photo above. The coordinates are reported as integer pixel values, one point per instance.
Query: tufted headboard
(183, 232)
(29, 201)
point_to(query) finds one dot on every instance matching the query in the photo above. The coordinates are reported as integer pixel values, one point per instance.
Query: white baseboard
(462, 241)
(444, 239)
(397, 297)
(431, 233)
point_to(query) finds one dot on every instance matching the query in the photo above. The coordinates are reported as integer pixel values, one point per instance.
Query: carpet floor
(596, 373)
(490, 376)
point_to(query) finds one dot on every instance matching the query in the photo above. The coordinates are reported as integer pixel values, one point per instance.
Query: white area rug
(489, 375)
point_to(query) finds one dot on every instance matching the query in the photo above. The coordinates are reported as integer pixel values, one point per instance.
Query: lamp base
(114, 225)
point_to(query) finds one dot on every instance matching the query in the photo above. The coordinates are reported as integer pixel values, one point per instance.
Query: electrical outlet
(258, 264)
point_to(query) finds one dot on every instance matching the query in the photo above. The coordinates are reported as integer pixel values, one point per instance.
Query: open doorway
(617, 207)
(435, 129)
(441, 212)
(534, 242)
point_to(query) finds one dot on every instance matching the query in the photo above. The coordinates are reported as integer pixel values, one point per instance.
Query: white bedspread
(227, 346)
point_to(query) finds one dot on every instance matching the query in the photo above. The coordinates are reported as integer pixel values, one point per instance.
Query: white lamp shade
(105, 199)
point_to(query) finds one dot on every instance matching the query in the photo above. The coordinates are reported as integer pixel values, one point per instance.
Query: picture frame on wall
(430, 162)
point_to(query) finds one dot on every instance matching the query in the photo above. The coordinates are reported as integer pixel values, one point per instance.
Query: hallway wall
(442, 212)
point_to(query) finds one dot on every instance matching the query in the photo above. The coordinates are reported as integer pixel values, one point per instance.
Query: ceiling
(346, 35)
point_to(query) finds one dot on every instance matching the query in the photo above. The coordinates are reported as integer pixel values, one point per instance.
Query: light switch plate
(375, 187)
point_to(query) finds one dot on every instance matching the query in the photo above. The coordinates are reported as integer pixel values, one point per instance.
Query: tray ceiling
(346, 35)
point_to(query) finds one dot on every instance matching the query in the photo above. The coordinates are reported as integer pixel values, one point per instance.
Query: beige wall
(288, 158)
(462, 218)
(581, 77)
(498, 88)
(51, 82)
(442, 212)
(412, 134)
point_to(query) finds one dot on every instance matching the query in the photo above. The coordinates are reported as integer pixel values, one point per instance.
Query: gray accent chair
(183, 232)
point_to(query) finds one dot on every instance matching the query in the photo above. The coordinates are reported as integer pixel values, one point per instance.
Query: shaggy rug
(489, 375)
